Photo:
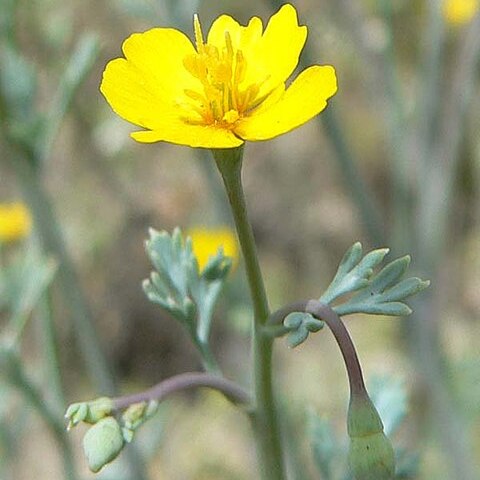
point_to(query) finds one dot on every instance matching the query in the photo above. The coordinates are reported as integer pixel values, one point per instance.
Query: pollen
(222, 97)
(231, 116)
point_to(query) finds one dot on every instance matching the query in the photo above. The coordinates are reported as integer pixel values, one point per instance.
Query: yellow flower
(224, 90)
(15, 221)
(460, 11)
(206, 242)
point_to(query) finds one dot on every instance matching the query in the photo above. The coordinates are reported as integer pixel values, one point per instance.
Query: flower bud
(301, 324)
(102, 443)
(371, 455)
(88, 412)
(135, 415)
(98, 409)
(217, 268)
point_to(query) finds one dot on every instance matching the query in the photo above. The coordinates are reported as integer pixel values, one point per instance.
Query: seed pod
(102, 443)
(371, 455)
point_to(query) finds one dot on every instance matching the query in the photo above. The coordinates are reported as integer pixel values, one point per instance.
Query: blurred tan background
(107, 190)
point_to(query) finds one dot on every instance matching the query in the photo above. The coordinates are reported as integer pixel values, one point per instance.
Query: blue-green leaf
(300, 325)
(377, 294)
(178, 286)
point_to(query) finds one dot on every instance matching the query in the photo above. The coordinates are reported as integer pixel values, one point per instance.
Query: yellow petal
(158, 54)
(306, 97)
(15, 221)
(200, 136)
(243, 38)
(460, 11)
(150, 82)
(130, 96)
(127, 92)
(207, 241)
(134, 98)
(281, 44)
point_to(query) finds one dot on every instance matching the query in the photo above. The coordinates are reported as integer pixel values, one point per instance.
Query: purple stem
(324, 312)
(186, 381)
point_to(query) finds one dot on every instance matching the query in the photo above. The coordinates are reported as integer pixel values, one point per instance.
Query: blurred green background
(394, 161)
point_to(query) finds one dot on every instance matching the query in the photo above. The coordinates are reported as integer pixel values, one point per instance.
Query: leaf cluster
(27, 126)
(23, 281)
(380, 293)
(179, 287)
(300, 325)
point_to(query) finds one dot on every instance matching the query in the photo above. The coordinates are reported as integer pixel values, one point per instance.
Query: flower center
(223, 99)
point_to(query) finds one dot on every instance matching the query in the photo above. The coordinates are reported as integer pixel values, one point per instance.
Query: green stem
(19, 380)
(209, 361)
(363, 199)
(8, 446)
(396, 130)
(368, 208)
(266, 425)
(49, 341)
(53, 244)
(430, 87)
(52, 241)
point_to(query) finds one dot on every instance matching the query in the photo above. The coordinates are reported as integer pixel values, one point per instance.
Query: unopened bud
(217, 268)
(89, 412)
(102, 443)
(371, 455)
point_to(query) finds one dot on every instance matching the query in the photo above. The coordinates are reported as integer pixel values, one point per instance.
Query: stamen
(228, 44)
(196, 66)
(240, 68)
(231, 117)
(215, 110)
(221, 71)
(194, 95)
(198, 34)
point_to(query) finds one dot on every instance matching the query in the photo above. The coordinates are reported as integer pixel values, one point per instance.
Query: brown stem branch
(324, 312)
(186, 381)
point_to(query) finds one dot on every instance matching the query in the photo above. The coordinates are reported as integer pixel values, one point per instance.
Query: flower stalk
(371, 456)
(265, 420)
(324, 312)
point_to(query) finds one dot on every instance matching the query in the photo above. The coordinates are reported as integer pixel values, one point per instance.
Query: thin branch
(186, 381)
(430, 65)
(365, 202)
(324, 312)
(18, 379)
(438, 191)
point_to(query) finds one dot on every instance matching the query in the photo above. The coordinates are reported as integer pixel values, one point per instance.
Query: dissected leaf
(354, 272)
(179, 287)
(377, 294)
(301, 324)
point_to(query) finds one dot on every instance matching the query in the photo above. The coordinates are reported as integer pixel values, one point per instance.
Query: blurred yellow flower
(206, 242)
(224, 90)
(460, 11)
(15, 221)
